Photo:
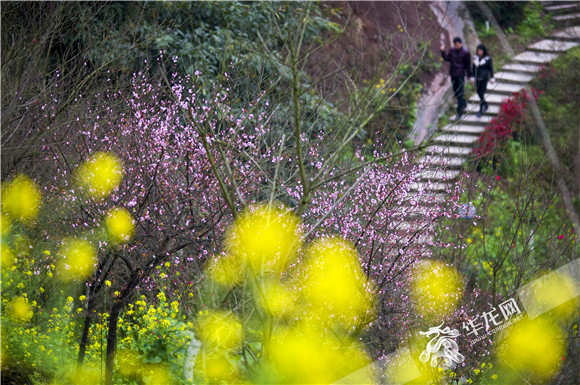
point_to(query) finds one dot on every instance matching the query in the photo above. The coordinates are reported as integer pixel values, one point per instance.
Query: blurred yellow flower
(275, 299)
(556, 292)
(7, 256)
(21, 309)
(227, 270)
(5, 224)
(158, 375)
(335, 285)
(220, 331)
(534, 345)
(120, 225)
(80, 257)
(100, 174)
(215, 367)
(302, 355)
(436, 288)
(266, 238)
(20, 199)
(128, 362)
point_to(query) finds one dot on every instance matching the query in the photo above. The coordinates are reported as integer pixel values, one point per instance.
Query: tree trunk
(85, 336)
(112, 341)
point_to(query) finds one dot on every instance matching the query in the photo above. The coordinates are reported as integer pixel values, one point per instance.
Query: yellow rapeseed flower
(21, 199)
(21, 309)
(275, 299)
(100, 174)
(7, 256)
(158, 374)
(227, 270)
(5, 224)
(335, 285)
(220, 331)
(436, 288)
(302, 355)
(555, 291)
(215, 367)
(266, 238)
(80, 257)
(534, 346)
(120, 225)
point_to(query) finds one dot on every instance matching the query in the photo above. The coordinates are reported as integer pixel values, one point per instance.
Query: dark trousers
(457, 82)
(481, 86)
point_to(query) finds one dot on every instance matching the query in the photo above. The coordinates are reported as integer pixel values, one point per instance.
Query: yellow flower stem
(265, 316)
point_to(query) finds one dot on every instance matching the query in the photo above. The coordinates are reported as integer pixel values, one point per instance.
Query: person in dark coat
(482, 71)
(459, 67)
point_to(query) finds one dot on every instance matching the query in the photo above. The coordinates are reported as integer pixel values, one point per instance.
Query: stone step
(457, 139)
(513, 77)
(395, 226)
(473, 120)
(521, 68)
(464, 129)
(438, 175)
(422, 213)
(473, 108)
(448, 150)
(491, 99)
(430, 186)
(442, 161)
(567, 19)
(552, 46)
(428, 200)
(530, 57)
(570, 33)
(560, 8)
(412, 226)
(504, 88)
(419, 238)
(431, 198)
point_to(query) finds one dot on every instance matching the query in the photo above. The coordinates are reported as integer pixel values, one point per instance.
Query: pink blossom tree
(193, 161)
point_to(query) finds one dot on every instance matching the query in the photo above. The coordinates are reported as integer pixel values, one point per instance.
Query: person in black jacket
(482, 71)
(460, 66)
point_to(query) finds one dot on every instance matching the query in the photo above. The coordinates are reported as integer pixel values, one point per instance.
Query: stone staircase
(564, 13)
(451, 145)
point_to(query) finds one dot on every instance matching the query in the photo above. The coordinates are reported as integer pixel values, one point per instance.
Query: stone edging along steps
(452, 144)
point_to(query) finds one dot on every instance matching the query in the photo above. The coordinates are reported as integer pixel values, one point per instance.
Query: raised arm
(444, 54)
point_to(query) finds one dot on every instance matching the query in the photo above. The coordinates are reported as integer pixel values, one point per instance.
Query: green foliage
(47, 342)
(511, 233)
(507, 13)
(534, 23)
(559, 105)
(482, 30)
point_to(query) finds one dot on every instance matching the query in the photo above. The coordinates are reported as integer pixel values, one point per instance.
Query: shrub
(504, 125)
